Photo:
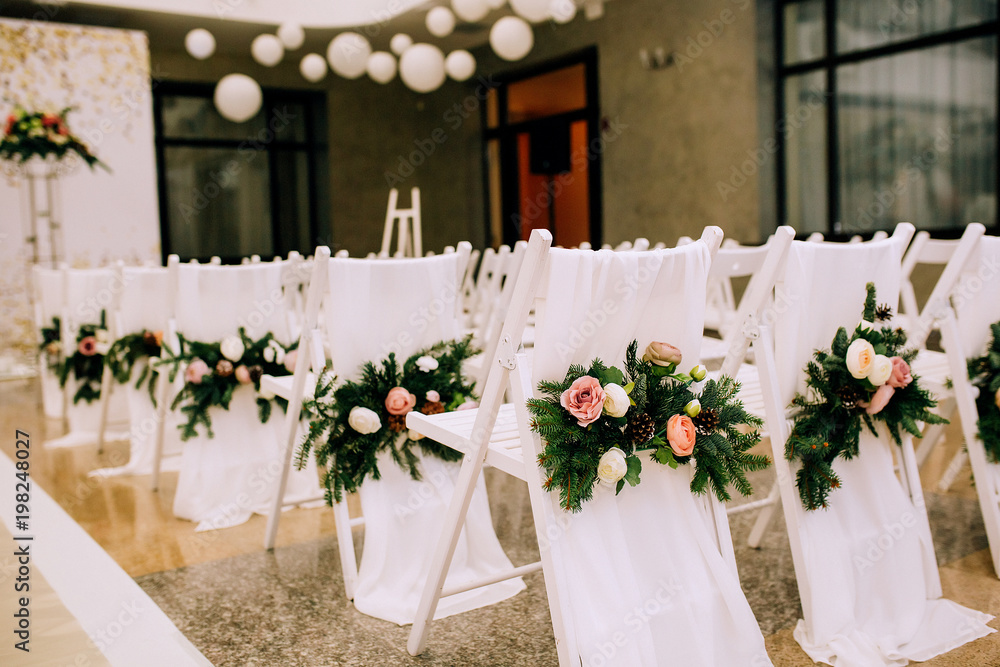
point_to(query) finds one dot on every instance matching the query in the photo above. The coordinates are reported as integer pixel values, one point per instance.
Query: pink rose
(290, 358)
(662, 354)
(468, 405)
(87, 346)
(879, 400)
(584, 399)
(900, 373)
(681, 435)
(399, 401)
(433, 396)
(242, 374)
(196, 370)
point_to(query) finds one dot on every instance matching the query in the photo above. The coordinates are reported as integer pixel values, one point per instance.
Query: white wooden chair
(409, 240)
(499, 434)
(47, 288)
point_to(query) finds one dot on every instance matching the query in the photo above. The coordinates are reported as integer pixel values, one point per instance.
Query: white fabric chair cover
(645, 579)
(144, 306)
(375, 307)
(226, 479)
(873, 595)
(48, 288)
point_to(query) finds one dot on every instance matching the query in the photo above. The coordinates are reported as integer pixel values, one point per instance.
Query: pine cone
(397, 423)
(850, 394)
(255, 373)
(707, 421)
(640, 428)
(432, 408)
(883, 312)
(224, 368)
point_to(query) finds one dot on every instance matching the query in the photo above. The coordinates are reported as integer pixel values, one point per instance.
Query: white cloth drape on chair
(375, 307)
(225, 479)
(48, 289)
(874, 594)
(646, 582)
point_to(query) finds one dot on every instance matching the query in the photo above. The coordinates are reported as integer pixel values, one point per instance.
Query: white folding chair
(500, 435)
(409, 242)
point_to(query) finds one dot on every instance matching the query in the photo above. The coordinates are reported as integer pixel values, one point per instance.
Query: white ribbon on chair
(874, 594)
(375, 307)
(226, 479)
(646, 581)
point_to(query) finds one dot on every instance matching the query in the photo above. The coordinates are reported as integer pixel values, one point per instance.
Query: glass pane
(218, 202)
(292, 192)
(863, 24)
(287, 121)
(918, 138)
(197, 118)
(804, 129)
(547, 94)
(804, 28)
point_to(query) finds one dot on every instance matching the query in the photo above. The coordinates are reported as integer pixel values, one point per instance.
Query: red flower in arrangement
(87, 346)
(11, 119)
(50, 119)
(62, 130)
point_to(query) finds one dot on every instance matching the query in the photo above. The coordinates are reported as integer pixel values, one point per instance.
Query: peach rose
(900, 373)
(584, 400)
(662, 354)
(87, 346)
(681, 435)
(469, 404)
(243, 374)
(195, 371)
(290, 359)
(860, 357)
(879, 400)
(399, 401)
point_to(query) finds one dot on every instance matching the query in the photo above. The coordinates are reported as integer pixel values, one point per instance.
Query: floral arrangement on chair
(87, 361)
(984, 372)
(865, 378)
(215, 370)
(357, 420)
(128, 350)
(51, 338)
(595, 421)
(42, 133)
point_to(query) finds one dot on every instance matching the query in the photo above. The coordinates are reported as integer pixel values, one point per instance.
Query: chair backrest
(823, 288)
(976, 296)
(374, 307)
(47, 285)
(144, 300)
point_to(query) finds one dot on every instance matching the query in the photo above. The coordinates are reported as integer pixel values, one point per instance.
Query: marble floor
(240, 605)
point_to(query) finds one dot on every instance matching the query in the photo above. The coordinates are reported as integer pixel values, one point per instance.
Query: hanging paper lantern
(381, 67)
(562, 11)
(440, 21)
(200, 43)
(532, 10)
(348, 54)
(470, 10)
(511, 38)
(267, 50)
(400, 43)
(291, 35)
(313, 67)
(238, 97)
(421, 67)
(460, 65)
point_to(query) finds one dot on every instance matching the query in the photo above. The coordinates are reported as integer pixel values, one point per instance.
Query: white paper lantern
(511, 38)
(470, 10)
(291, 35)
(348, 54)
(313, 67)
(562, 11)
(400, 43)
(381, 67)
(200, 43)
(460, 65)
(421, 67)
(532, 10)
(440, 21)
(267, 50)
(238, 97)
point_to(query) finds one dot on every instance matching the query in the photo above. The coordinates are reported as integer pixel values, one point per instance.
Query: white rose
(865, 325)
(616, 401)
(881, 370)
(364, 420)
(693, 408)
(266, 394)
(612, 466)
(860, 357)
(232, 348)
(413, 435)
(268, 354)
(102, 348)
(278, 351)
(427, 363)
(102, 336)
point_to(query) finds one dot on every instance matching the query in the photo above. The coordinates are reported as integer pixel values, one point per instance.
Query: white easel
(409, 242)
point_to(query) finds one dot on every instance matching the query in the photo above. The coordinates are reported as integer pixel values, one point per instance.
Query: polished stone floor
(241, 605)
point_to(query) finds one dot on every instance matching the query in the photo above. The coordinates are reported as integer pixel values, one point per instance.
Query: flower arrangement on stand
(863, 379)
(44, 134)
(129, 350)
(984, 372)
(595, 421)
(87, 362)
(214, 371)
(354, 422)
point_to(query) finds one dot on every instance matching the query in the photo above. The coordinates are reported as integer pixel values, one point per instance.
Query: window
(887, 111)
(238, 189)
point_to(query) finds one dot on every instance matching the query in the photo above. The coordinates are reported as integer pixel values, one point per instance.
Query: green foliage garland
(349, 456)
(28, 134)
(830, 416)
(87, 361)
(129, 350)
(215, 388)
(984, 372)
(50, 345)
(572, 454)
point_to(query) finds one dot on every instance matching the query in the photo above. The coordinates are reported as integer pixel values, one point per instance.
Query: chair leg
(105, 399)
(764, 518)
(444, 552)
(345, 543)
(162, 394)
(951, 472)
(935, 432)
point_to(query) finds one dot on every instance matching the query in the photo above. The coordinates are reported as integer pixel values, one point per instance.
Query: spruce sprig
(984, 372)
